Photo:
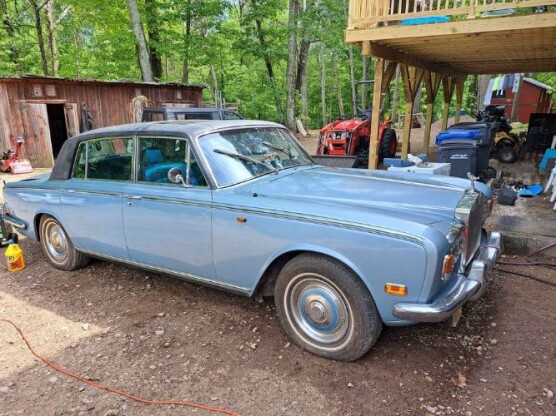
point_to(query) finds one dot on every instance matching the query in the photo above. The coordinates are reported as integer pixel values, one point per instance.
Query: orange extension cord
(112, 390)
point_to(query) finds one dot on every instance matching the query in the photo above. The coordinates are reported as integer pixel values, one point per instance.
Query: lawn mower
(11, 162)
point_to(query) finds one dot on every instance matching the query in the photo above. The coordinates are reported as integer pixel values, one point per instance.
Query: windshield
(238, 155)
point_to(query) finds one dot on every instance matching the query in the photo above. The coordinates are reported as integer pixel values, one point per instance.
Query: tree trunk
(292, 64)
(323, 83)
(54, 64)
(216, 92)
(10, 31)
(338, 86)
(154, 38)
(515, 103)
(482, 90)
(352, 82)
(40, 38)
(396, 97)
(269, 69)
(142, 49)
(188, 18)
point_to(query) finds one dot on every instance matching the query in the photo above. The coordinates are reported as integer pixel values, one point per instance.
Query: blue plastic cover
(456, 134)
(425, 20)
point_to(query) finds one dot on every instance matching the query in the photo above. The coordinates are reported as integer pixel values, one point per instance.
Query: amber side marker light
(394, 289)
(448, 266)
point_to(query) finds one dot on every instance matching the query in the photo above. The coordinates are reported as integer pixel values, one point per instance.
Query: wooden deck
(467, 44)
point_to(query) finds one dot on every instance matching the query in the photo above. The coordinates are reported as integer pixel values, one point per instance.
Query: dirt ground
(161, 338)
(164, 339)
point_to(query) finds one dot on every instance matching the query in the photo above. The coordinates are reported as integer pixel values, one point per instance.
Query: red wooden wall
(533, 99)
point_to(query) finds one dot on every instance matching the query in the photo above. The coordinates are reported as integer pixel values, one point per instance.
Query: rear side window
(193, 116)
(108, 159)
(230, 115)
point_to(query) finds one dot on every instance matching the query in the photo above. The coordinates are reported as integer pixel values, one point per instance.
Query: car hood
(353, 194)
(344, 125)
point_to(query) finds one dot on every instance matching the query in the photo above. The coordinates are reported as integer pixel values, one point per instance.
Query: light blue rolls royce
(239, 205)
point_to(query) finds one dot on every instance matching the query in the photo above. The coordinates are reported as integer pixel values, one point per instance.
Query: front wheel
(325, 308)
(388, 144)
(58, 247)
(507, 154)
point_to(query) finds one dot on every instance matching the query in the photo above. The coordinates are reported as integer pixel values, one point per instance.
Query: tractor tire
(506, 154)
(388, 144)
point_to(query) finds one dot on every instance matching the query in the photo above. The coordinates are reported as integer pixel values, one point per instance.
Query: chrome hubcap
(318, 309)
(56, 242)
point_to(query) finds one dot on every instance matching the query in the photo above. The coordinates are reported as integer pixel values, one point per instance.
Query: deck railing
(364, 14)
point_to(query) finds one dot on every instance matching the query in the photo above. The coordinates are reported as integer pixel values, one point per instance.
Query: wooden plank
(5, 118)
(411, 78)
(398, 56)
(459, 98)
(38, 149)
(375, 115)
(432, 85)
(72, 119)
(525, 23)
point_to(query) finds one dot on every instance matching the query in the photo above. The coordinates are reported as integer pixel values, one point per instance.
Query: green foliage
(235, 38)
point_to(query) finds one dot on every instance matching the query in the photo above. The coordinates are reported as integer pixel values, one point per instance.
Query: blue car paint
(377, 223)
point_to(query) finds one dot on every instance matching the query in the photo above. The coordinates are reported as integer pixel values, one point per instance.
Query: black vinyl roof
(178, 128)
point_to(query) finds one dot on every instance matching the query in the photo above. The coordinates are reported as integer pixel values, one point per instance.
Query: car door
(168, 225)
(91, 200)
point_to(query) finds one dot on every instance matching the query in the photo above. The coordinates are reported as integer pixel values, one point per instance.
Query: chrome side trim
(83, 192)
(178, 201)
(182, 275)
(16, 222)
(327, 221)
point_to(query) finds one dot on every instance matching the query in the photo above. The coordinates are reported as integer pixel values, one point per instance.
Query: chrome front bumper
(470, 286)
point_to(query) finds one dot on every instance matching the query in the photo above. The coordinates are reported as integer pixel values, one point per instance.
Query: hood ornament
(473, 179)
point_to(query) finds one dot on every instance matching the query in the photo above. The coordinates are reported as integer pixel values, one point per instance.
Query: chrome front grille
(471, 211)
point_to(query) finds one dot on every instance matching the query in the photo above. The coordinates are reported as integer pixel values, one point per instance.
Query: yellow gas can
(14, 257)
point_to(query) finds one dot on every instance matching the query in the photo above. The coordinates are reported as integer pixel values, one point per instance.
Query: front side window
(238, 155)
(108, 159)
(159, 155)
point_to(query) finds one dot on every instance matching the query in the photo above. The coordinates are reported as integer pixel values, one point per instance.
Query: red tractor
(350, 137)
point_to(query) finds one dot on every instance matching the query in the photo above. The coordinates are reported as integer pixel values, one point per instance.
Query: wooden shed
(534, 97)
(53, 109)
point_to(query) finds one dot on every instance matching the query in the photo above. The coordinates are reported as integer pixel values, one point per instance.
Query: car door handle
(70, 191)
(136, 197)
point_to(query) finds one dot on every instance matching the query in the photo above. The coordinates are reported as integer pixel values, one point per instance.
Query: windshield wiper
(245, 159)
(287, 151)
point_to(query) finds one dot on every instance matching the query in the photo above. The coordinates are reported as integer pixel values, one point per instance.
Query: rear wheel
(325, 308)
(388, 144)
(507, 154)
(58, 247)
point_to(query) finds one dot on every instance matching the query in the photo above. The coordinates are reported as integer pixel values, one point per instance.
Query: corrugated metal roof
(96, 81)
(538, 84)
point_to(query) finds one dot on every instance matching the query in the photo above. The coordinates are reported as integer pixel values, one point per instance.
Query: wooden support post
(448, 84)
(432, 85)
(459, 98)
(375, 115)
(411, 77)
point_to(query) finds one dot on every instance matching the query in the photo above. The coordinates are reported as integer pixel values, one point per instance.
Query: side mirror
(175, 175)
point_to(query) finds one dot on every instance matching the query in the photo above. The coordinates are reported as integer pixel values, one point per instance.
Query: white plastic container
(429, 169)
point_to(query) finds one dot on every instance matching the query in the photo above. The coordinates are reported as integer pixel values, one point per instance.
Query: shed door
(38, 149)
(72, 119)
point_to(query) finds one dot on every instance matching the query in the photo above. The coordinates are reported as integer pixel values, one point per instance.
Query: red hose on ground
(113, 390)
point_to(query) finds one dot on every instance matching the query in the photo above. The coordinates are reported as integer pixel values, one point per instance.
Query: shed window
(37, 90)
(50, 90)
